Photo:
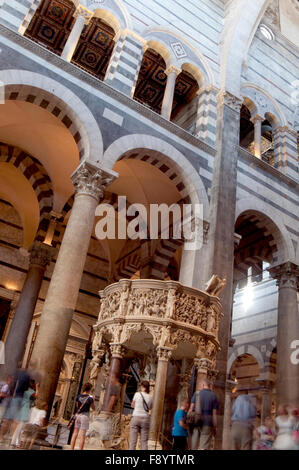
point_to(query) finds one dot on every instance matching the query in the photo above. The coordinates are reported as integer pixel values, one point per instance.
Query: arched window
(151, 81)
(184, 109)
(52, 24)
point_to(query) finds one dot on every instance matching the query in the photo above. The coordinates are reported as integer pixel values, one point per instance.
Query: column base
(108, 431)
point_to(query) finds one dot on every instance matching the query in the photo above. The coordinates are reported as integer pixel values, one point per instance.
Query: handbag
(194, 417)
(145, 405)
(74, 416)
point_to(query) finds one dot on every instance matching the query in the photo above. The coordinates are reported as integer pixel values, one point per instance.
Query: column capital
(83, 12)
(286, 274)
(230, 100)
(91, 179)
(172, 69)
(117, 350)
(208, 89)
(285, 129)
(164, 354)
(41, 254)
(257, 118)
(203, 364)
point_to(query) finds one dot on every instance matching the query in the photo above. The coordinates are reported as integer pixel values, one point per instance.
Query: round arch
(273, 217)
(240, 351)
(55, 97)
(190, 185)
(114, 8)
(262, 103)
(24, 201)
(39, 179)
(187, 53)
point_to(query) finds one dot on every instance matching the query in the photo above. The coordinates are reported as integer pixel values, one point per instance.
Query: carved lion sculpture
(215, 285)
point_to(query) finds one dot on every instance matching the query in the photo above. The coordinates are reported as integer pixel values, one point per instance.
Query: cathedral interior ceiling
(51, 26)
(43, 136)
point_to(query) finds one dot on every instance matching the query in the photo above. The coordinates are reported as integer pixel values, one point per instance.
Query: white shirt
(37, 416)
(139, 408)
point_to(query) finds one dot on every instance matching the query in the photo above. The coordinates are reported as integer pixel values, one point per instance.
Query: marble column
(172, 72)
(159, 393)
(115, 373)
(266, 407)
(90, 182)
(220, 246)
(257, 121)
(124, 65)
(83, 17)
(287, 378)
(40, 257)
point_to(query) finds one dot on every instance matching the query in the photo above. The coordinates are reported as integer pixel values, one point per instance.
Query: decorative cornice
(285, 129)
(41, 254)
(253, 160)
(92, 180)
(85, 77)
(286, 274)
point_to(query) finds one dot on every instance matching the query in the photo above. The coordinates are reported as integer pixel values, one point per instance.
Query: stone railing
(171, 313)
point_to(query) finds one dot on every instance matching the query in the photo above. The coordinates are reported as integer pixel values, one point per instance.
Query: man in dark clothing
(209, 405)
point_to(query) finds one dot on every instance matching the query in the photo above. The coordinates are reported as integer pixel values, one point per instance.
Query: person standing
(142, 403)
(202, 435)
(84, 403)
(180, 427)
(285, 423)
(24, 413)
(243, 414)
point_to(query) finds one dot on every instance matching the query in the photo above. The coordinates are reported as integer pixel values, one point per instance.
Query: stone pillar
(89, 181)
(40, 257)
(83, 17)
(286, 151)
(287, 378)
(115, 372)
(266, 407)
(159, 393)
(220, 247)
(191, 272)
(124, 66)
(206, 119)
(172, 72)
(230, 384)
(257, 121)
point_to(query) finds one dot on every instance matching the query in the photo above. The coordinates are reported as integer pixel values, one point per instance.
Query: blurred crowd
(20, 419)
(194, 423)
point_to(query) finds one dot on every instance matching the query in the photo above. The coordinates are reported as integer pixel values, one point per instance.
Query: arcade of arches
(131, 124)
